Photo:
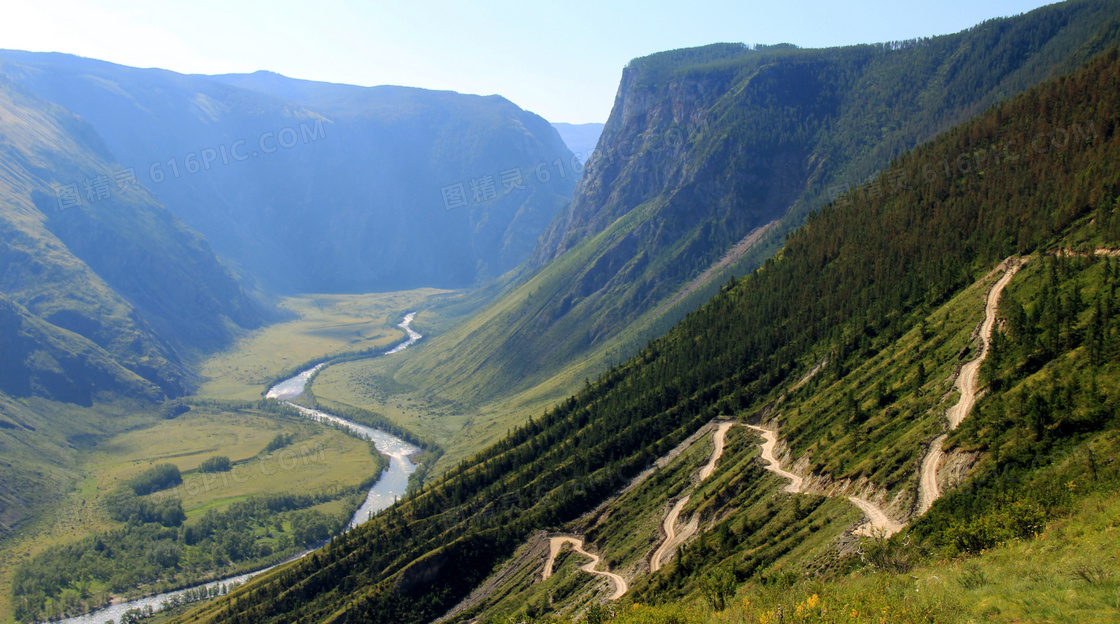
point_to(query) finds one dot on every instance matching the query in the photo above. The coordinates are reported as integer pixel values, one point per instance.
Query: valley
(221, 420)
(798, 335)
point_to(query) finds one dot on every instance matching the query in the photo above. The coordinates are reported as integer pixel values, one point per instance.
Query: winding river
(387, 489)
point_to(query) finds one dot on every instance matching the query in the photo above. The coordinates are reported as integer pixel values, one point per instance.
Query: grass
(1037, 580)
(319, 458)
(323, 325)
(1068, 573)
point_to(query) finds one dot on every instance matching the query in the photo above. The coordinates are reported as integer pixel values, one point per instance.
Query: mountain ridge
(292, 190)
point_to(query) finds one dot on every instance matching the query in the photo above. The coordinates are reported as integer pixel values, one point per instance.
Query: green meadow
(320, 326)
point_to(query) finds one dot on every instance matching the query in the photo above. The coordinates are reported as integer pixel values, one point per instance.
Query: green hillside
(887, 286)
(710, 158)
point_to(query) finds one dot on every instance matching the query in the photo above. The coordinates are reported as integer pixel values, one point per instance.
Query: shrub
(280, 441)
(154, 479)
(218, 463)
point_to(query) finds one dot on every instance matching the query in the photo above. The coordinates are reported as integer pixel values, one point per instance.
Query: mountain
(827, 342)
(94, 255)
(317, 187)
(710, 157)
(580, 138)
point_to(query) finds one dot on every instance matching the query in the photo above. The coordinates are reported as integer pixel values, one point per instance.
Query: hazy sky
(561, 60)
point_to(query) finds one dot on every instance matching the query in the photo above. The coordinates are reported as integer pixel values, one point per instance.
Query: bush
(1019, 520)
(280, 441)
(218, 463)
(154, 479)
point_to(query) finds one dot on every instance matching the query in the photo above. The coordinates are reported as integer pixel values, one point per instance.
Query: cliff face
(707, 146)
(646, 147)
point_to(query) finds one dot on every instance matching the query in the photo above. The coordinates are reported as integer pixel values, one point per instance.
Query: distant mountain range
(580, 138)
(318, 187)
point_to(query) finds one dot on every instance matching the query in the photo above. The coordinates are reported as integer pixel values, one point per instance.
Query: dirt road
(928, 490)
(554, 546)
(669, 525)
(769, 441)
(717, 451)
(880, 525)
(966, 381)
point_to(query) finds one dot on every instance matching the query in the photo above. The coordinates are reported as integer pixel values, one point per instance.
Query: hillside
(112, 266)
(848, 341)
(710, 158)
(318, 187)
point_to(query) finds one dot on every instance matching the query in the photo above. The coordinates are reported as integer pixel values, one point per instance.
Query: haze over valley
(795, 333)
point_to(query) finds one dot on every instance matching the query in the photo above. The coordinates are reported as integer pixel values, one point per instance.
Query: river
(387, 489)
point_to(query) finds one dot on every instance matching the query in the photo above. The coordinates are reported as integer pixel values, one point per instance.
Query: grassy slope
(740, 494)
(1004, 585)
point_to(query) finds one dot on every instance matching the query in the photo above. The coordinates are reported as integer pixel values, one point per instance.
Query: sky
(561, 60)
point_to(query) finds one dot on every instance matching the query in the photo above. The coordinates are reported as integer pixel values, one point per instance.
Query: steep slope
(113, 265)
(710, 157)
(316, 187)
(47, 361)
(881, 277)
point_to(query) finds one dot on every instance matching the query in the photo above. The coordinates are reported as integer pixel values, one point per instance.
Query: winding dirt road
(928, 490)
(671, 538)
(669, 525)
(880, 524)
(554, 546)
(769, 441)
(717, 451)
